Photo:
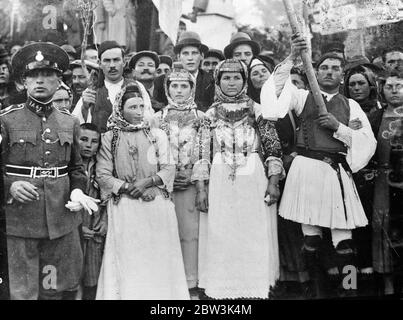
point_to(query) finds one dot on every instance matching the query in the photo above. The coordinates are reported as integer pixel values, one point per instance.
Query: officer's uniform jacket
(41, 139)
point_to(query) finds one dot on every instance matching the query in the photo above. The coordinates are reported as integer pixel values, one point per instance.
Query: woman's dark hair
(302, 74)
(132, 91)
(90, 127)
(369, 75)
(10, 70)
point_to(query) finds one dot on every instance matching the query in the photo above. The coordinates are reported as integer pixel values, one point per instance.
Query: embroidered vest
(313, 137)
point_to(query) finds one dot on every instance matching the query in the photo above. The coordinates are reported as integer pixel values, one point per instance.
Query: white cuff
(116, 186)
(275, 167)
(344, 134)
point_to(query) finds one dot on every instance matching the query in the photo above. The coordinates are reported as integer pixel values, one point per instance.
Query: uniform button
(47, 141)
(47, 153)
(47, 130)
(46, 164)
(44, 119)
(22, 140)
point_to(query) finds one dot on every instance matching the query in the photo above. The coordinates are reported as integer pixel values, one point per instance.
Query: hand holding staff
(306, 59)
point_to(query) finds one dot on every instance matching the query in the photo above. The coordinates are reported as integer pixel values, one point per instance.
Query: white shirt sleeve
(77, 112)
(361, 143)
(279, 95)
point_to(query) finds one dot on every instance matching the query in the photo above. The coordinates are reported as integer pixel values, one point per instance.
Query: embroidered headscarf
(180, 74)
(254, 93)
(230, 65)
(116, 119)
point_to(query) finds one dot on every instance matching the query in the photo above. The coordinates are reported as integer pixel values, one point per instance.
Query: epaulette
(12, 108)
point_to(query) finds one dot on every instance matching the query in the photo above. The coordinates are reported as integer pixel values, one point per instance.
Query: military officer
(42, 171)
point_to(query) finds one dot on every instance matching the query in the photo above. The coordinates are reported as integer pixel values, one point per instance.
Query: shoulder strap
(11, 109)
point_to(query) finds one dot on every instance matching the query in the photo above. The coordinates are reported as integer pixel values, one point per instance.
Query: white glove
(81, 201)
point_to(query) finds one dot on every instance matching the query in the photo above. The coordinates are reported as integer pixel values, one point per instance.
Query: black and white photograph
(224, 152)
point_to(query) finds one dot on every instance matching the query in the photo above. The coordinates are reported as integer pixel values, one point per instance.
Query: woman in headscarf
(387, 222)
(241, 259)
(293, 273)
(135, 172)
(360, 85)
(180, 119)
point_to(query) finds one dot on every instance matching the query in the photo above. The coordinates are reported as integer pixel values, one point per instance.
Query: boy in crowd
(94, 226)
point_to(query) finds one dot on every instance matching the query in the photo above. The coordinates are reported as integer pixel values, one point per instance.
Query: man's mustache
(146, 71)
(76, 86)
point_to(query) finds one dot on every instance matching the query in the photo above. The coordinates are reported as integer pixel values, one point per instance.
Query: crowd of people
(132, 175)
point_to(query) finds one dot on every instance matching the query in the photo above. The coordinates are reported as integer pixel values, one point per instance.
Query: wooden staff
(306, 59)
(87, 8)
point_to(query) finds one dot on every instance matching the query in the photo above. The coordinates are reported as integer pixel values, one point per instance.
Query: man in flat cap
(190, 51)
(42, 171)
(211, 60)
(165, 65)
(97, 104)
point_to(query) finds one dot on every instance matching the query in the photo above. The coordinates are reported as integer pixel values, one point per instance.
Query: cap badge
(39, 56)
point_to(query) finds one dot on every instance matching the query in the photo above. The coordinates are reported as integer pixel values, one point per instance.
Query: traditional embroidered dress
(142, 258)
(241, 253)
(320, 192)
(181, 123)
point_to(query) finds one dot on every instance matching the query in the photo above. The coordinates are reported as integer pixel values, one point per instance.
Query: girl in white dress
(241, 258)
(135, 172)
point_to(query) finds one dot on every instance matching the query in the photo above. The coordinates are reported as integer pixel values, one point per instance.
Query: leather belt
(36, 172)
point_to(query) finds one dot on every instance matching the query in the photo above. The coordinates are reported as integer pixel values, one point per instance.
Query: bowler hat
(238, 39)
(39, 55)
(190, 38)
(145, 53)
(215, 53)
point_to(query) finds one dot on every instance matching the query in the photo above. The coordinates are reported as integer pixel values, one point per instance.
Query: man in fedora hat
(190, 52)
(144, 65)
(242, 47)
(211, 60)
(42, 170)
